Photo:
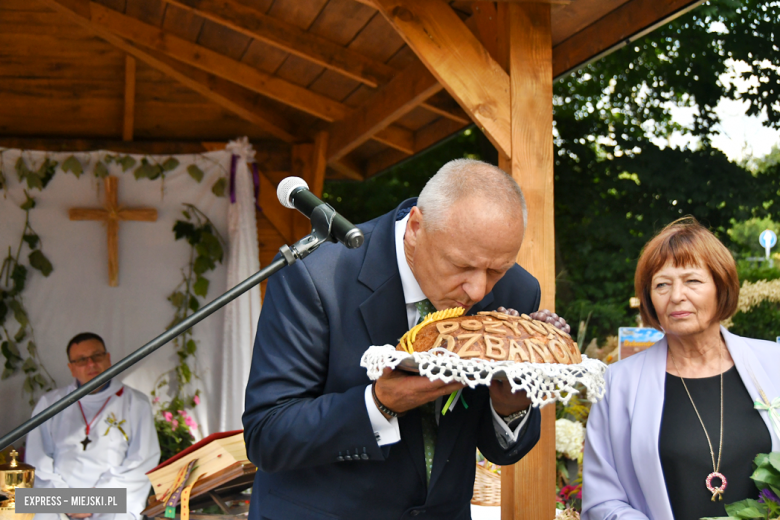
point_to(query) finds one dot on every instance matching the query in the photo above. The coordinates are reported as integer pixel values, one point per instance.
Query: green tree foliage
(744, 235)
(614, 186)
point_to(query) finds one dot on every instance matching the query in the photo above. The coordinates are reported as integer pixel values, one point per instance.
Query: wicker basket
(487, 487)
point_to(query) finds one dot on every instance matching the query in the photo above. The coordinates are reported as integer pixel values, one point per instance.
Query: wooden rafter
(224, 93)
(290, 38)
(88, 145)
(231, 71)
(128, 122)
(625, 24)
(458, 61)
(406, 91)
(218, 64)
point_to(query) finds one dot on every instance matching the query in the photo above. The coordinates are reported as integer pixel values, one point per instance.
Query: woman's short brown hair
(685, 242)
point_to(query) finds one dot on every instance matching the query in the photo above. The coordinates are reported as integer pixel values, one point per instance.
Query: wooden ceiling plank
(89, 145)
(456, 114)
(319, 162)
(458, 61)
(347, 168)
(129, 109)
(406, 91)
(291, 39)
(396, 137)
(222, 92)
(217, 64)
(627, 23)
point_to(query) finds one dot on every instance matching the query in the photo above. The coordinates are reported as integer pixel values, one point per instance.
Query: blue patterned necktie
(428, 410)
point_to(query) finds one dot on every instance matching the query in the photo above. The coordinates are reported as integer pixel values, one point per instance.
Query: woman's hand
(543, 315)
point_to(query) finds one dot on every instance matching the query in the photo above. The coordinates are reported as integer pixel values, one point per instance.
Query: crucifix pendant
(717, 491)
(85, 442)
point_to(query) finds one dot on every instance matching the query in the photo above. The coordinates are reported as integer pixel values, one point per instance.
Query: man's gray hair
(466, 178)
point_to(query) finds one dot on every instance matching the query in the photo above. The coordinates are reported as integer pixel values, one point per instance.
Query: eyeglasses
(84, 361)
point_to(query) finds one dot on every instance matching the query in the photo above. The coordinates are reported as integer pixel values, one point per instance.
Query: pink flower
(175, 424)
(189, 421)
(196, 400)
(182, 413)
(155, 400)
(168, 416)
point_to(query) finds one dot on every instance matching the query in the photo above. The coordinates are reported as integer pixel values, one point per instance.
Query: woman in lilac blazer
(675, 435)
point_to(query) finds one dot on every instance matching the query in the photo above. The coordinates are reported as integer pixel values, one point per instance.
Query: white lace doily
(543, 382)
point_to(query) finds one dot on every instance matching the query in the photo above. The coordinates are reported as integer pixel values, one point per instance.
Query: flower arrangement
(569, 438)
(174, 427)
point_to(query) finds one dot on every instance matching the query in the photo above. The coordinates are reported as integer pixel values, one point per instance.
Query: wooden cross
(111, 214)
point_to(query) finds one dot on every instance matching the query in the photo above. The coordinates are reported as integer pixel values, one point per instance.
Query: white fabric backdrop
(241, 315)
(76, 296)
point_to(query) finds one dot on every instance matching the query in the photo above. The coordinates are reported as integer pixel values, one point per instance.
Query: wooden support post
(528, 488)
(129, 119)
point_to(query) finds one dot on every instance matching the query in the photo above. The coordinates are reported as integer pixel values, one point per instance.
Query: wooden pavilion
(324, 89)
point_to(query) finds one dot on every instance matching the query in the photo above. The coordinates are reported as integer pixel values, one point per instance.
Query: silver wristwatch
(509, 419)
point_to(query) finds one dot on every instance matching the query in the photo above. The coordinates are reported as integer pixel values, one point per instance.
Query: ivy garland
(13, 278)
(206, 250)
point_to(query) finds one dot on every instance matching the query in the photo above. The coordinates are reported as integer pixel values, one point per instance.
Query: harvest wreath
(532, 355)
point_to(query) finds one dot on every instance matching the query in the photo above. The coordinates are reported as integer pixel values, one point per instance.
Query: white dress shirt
(387, 431)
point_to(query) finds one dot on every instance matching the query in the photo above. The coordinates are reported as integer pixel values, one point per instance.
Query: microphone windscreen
(285, 189)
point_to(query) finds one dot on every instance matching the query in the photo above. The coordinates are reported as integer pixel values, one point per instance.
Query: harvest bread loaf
(493, 336)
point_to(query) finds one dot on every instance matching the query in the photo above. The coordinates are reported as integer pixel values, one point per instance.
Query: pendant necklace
(87, 440)
(717, 491)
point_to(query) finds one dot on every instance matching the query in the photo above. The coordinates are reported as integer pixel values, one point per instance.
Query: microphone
(293, 193)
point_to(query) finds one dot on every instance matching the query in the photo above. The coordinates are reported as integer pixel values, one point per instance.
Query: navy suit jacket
(306, 424)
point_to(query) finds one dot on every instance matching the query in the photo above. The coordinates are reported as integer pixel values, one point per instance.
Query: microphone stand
(321, 220)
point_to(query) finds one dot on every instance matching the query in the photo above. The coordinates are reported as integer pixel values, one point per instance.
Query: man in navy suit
(325, 445)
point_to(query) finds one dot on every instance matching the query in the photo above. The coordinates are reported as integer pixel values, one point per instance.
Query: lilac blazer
(622, 474)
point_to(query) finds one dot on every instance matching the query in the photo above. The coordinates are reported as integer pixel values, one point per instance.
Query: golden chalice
(14, 475)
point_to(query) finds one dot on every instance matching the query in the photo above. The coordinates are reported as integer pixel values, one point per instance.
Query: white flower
(569, 438)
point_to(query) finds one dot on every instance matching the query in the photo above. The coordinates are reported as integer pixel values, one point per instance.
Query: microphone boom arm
(322, 221)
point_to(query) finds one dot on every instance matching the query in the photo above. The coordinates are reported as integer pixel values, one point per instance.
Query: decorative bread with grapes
(493, 336)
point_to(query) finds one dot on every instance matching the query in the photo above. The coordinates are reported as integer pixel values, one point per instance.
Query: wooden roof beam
(128, 121)
(89, 145)
(618, 28)
(232, 71)
(227, 95)
(220, 65)
(405, 92)
(457, 60)
(290, 38)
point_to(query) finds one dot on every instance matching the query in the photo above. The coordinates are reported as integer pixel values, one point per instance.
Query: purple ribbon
(256, 180)
(233, 161)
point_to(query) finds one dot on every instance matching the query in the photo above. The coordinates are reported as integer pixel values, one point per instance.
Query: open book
(214, 453)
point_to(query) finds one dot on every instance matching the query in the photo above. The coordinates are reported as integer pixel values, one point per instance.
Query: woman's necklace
(717, 491)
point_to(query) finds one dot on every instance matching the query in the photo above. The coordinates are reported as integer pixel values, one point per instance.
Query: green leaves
(170, 164)
(19, 313)
(182, 229)
(31, 240)
(746, 509)
(148, 170)
(29, 203)
(71, 164)
(201, 286)
(127, 162)
(38, 178)
(219, 187)
(19, 276)
(195, 172)
(40, 262)
(101, 171)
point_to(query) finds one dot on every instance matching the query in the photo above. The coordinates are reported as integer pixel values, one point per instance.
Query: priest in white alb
(106, 440)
